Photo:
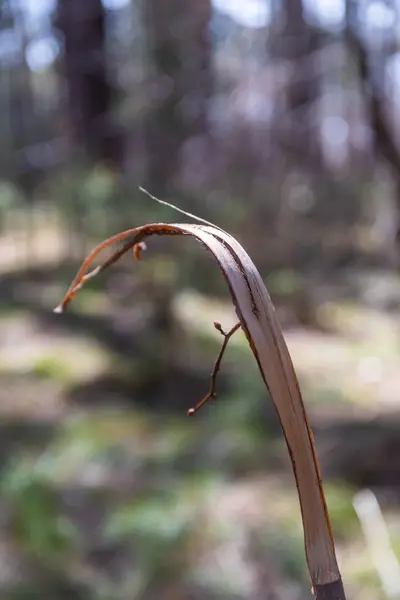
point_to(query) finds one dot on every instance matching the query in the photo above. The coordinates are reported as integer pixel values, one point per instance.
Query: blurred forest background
(280, 121)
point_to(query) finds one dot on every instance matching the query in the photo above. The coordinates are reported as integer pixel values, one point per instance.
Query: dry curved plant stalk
(257, 318)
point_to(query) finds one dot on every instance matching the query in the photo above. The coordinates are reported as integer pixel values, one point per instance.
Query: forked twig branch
(212, 394)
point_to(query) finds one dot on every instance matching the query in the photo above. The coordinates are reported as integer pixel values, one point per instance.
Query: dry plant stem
(258, 320)
(211, 394)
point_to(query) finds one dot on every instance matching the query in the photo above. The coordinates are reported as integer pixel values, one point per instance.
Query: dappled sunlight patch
(365, 371)
(26, 397)
(362, 324)
(27, 347)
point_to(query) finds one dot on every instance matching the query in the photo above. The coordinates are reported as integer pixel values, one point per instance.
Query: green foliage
(288, 550)
(85, 187)
(285, 282)
(10, 196)
(339, 498)
(159, 528)
(37, 520)
(163, 521)
(321, 395)
(92, 302)
(52, 367)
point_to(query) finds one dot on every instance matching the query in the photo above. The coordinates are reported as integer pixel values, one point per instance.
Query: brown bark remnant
(84, 66)
(180, 82)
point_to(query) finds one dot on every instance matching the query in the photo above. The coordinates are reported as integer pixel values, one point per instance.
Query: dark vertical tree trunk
(82, 24)
(295, 41)
(383, 138)
(180, 82)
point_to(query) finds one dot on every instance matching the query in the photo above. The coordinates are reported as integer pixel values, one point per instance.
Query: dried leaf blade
(257, 316)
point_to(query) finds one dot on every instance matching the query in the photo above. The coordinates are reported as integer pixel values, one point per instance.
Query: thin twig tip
(59, 309)
(180, 210)
(218, 327)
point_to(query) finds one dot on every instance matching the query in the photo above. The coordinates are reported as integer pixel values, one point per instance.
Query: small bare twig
(211, 394)
(180, 210)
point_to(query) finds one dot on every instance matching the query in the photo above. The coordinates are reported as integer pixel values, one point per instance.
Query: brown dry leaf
(257, 318)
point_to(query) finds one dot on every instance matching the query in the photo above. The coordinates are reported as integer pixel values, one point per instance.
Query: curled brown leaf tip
(138, 249)
(72, 292)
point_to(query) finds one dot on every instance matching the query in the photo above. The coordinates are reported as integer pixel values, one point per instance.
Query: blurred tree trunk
(180, 82)
(84, 66)
(382, 131)
(294, 42)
